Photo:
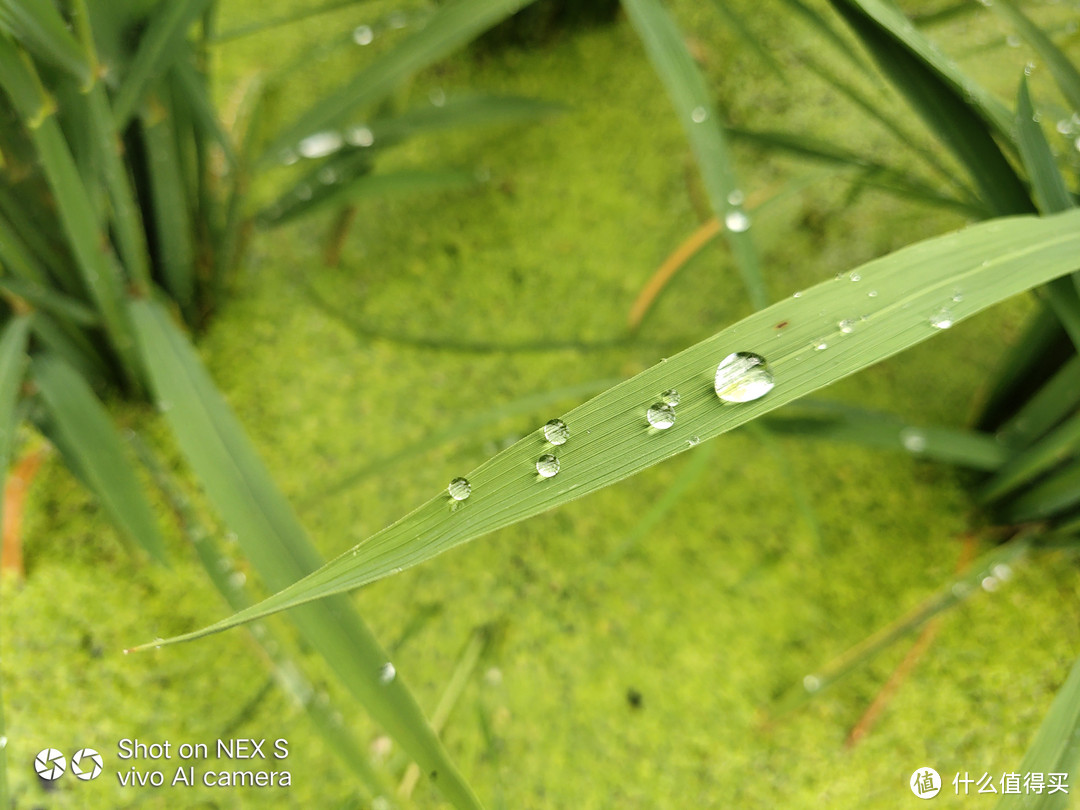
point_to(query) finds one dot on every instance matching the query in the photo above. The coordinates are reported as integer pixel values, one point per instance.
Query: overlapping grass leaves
(946, 278)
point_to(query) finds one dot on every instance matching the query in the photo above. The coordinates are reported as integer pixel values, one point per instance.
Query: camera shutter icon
(87, 764)
(50, 764)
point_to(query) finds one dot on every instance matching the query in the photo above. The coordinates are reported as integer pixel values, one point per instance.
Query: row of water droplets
(735, 220)
(740, 377)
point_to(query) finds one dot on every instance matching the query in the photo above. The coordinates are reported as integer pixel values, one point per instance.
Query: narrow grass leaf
(696, 112)
(1053, 401)
(452, 26)
(823, 27)
(837, 421)
(1046, 180)
(284, 19)
(96, 451)
(240, 487)
(611, 438)
(941, 100)
(1064, 71)
(1048, 498)
(163, 43)
(67, 340)
(462, 111)
(49, 300)
(39, 26)
(13, 344)
(1021, 468)
(1055, 749)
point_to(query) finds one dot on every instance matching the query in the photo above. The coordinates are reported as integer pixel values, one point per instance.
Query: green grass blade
(285, 19)
(1064, 72)
(171, 214)
(69, 342)
(272, 538)
(16, 257)
(746, 37)
(823, 27)
(451, 27)
(611, 440)
(941, 100)
(1054, 400)
(1047, 498)
(49, 300)
(93, 446)
(1023, 467)
(946, 597)
(694, 108)
(1046, 180)
(306, 198)
(1055, 749)
(13, 344)
(836, 421)
(461, 111)
(41, 29)
(192, 86)
(161, 45)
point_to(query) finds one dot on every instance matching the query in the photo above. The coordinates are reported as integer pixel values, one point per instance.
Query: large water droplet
(743, 377)
(363, 35)
(660, 415)
(460, 489)
(387, 673)
(670, 397)
(737, 221)
(547, 465)
(359, 136)
(556, 431)
(699, 114)
(856, 277)
(942, 319)
(319, 145)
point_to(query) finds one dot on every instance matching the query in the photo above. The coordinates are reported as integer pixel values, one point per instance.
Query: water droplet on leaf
(319, 145)
(359, 136)
(847, 326)
(363, 35)
(737, 221)
(660, 415)
(556, 431)
(942, 319)
(547, 465)
(670, 397)
(699, 114)
(914, 440)
(387, 673)
(743, 377)
(459, 489)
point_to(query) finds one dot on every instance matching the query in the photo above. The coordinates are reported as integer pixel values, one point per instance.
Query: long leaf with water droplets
(826, 333)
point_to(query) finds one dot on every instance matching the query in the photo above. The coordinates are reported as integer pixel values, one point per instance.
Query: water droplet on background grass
(387, 673)
(360, 136)
(547, 465)
(660, 415)
(363, 35)
(556, 431)
(459, 489)
(319, 145)
(737, 222)
(699, 114)
(743, 377)
(913, 439)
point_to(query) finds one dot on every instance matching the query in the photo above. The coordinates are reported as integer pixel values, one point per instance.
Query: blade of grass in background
(833, 330)
(941, 100)
(1064, 72)
(92, 445)
(1046, 180)
(49, 300)
(992, 564)
(284, 19)
(451, 27)
(13, 343)
(1056, 749)
(1055, 400)
(694, 108)
(40, 28)
(271, 536)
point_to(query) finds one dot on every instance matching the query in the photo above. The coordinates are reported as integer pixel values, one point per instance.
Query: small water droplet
(237, 579)
(957, 296)
(1076, 144)
(319, 145)
(327, 176)
(797, 295)
(437, 96)
(288, 157)
(1013, 41)
(913, 439)
(811, 683)
(397, 19)
(821, 345)
(735, 197)
(990, 584)
(743, 377)
(1002, 572)
(164, 405)
(872, 294)
(3, 740)
(693, 441)
(363, 35)
(660, 415)
(387, 673)
(856, 277)
(942, 319)
(556, 431)
(359, 136)
(304, 192)
(547, 465)
(737, 221)
(670, 397)
(1029, 68)
(961, 589)
(699, 114)
(1064, 126)
(847, 326)
(460, 489)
